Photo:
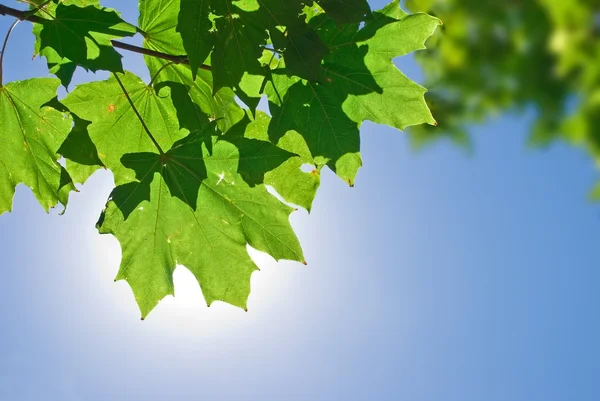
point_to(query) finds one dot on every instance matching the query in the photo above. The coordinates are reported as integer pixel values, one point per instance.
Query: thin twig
(139, 116)
(14, 24)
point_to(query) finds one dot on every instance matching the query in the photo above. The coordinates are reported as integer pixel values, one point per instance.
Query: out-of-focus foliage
(494, 56)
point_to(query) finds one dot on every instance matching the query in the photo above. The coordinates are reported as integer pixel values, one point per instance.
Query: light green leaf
(32, 134)
(158, 21)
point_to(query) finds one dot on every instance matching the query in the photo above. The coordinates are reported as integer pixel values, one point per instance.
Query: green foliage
(492, 57)
(191, 155)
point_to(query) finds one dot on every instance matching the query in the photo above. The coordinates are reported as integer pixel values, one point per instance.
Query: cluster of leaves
(492, 57)
(191, 154)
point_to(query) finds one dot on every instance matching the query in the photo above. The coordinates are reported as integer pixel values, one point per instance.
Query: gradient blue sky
(438, 277)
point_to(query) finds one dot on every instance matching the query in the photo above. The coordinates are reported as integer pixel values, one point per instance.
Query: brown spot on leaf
(111, 108)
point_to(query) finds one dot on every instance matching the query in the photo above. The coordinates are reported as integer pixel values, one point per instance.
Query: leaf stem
(159, 71)
(12, 27)
(139, 116)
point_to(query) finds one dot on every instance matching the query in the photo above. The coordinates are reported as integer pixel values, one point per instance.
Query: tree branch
(154, 53)
(26, 16)
(20, 14)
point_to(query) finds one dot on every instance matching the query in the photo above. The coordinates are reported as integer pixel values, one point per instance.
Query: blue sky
(440, 276)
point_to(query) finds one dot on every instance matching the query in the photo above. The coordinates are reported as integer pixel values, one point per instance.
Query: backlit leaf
(31, 136)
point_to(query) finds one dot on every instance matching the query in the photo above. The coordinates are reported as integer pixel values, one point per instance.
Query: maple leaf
(190, 207)
(32, 134)
(78, 33)
(358, 83)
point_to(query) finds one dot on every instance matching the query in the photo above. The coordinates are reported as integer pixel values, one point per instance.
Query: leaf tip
(305, 263)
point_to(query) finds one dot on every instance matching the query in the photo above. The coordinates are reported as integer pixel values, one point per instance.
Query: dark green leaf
(82, 35)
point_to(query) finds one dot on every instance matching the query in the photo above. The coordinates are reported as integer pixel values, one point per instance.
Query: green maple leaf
(206, 186)
(32, 134)
(60, 66)
(158, 226)
(79, 34)
(358, 83)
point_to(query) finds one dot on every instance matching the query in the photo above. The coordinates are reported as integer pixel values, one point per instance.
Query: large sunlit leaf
(190, 207)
